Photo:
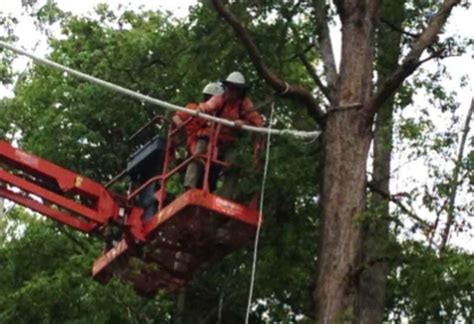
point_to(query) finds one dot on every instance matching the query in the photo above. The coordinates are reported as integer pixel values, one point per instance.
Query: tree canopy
(45, 268)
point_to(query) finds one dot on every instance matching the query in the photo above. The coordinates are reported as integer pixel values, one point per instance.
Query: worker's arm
(177, 120)
(212, 105)
(180, 117)
(250, 115)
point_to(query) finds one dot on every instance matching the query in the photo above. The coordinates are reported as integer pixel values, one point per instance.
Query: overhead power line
(154, 101)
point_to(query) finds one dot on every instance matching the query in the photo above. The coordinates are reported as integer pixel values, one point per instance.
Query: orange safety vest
(240, 109)
(193, 127)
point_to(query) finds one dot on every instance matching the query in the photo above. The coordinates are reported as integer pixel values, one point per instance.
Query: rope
(157, 102)
(259, 226)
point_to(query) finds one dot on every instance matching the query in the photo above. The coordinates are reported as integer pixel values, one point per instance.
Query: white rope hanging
(257, 234)
(154, 101)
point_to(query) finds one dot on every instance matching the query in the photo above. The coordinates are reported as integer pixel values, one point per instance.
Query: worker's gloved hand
(177, 121)
(239, 123)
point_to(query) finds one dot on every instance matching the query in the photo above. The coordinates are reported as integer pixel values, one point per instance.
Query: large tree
(355, 97)
(172, 59)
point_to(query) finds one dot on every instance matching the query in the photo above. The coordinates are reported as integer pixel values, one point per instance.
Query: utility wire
(154, 101)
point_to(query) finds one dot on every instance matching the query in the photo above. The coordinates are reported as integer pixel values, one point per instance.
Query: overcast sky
(459, 24)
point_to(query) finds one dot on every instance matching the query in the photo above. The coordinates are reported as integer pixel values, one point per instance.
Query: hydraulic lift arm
(180, 236)
(55, 192)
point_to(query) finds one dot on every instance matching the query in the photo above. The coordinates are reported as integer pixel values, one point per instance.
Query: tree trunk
(180, 307)
(346, 144)
(348, 132)
(373, 277)
(343, 202)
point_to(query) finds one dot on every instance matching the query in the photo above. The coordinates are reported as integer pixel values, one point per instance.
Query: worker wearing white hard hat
(212, 89)
(192, 127)
(234, 105)
(193, 130)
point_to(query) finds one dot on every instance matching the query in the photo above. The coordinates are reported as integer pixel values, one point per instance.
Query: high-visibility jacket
(192, 128)
(242, 109)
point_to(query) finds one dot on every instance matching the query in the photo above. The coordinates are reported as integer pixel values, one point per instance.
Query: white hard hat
(213, 89)
(236, 78)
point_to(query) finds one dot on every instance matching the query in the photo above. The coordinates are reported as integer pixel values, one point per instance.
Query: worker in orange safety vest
(194, 130)
(233, 105)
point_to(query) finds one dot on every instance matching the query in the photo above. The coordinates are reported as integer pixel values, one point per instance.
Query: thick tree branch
(294, 92)
(412, 60)
(325, 44)
(314, 75)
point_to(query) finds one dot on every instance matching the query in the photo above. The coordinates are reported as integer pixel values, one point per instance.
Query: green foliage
(425, 287)
(7, 26)
(91, 125)
(45, 269)
(45, 278)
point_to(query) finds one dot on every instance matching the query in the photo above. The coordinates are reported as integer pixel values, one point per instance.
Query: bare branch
(412, 60)
(454, 183)
(325, 43)
(426, 226)
(398, 29)
(297, 54)
(294, 92)
(314, 75)
(432, 56)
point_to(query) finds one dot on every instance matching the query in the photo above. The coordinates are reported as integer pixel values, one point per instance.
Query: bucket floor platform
(194, 230)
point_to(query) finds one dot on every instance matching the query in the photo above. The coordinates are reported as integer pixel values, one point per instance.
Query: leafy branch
(281, 86)
(413, 59)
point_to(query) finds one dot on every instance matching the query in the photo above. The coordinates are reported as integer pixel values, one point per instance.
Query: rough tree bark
(347, 138)
(373, 277)
(346, 144)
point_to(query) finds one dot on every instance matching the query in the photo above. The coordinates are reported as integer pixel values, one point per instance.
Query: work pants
(195, 170)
